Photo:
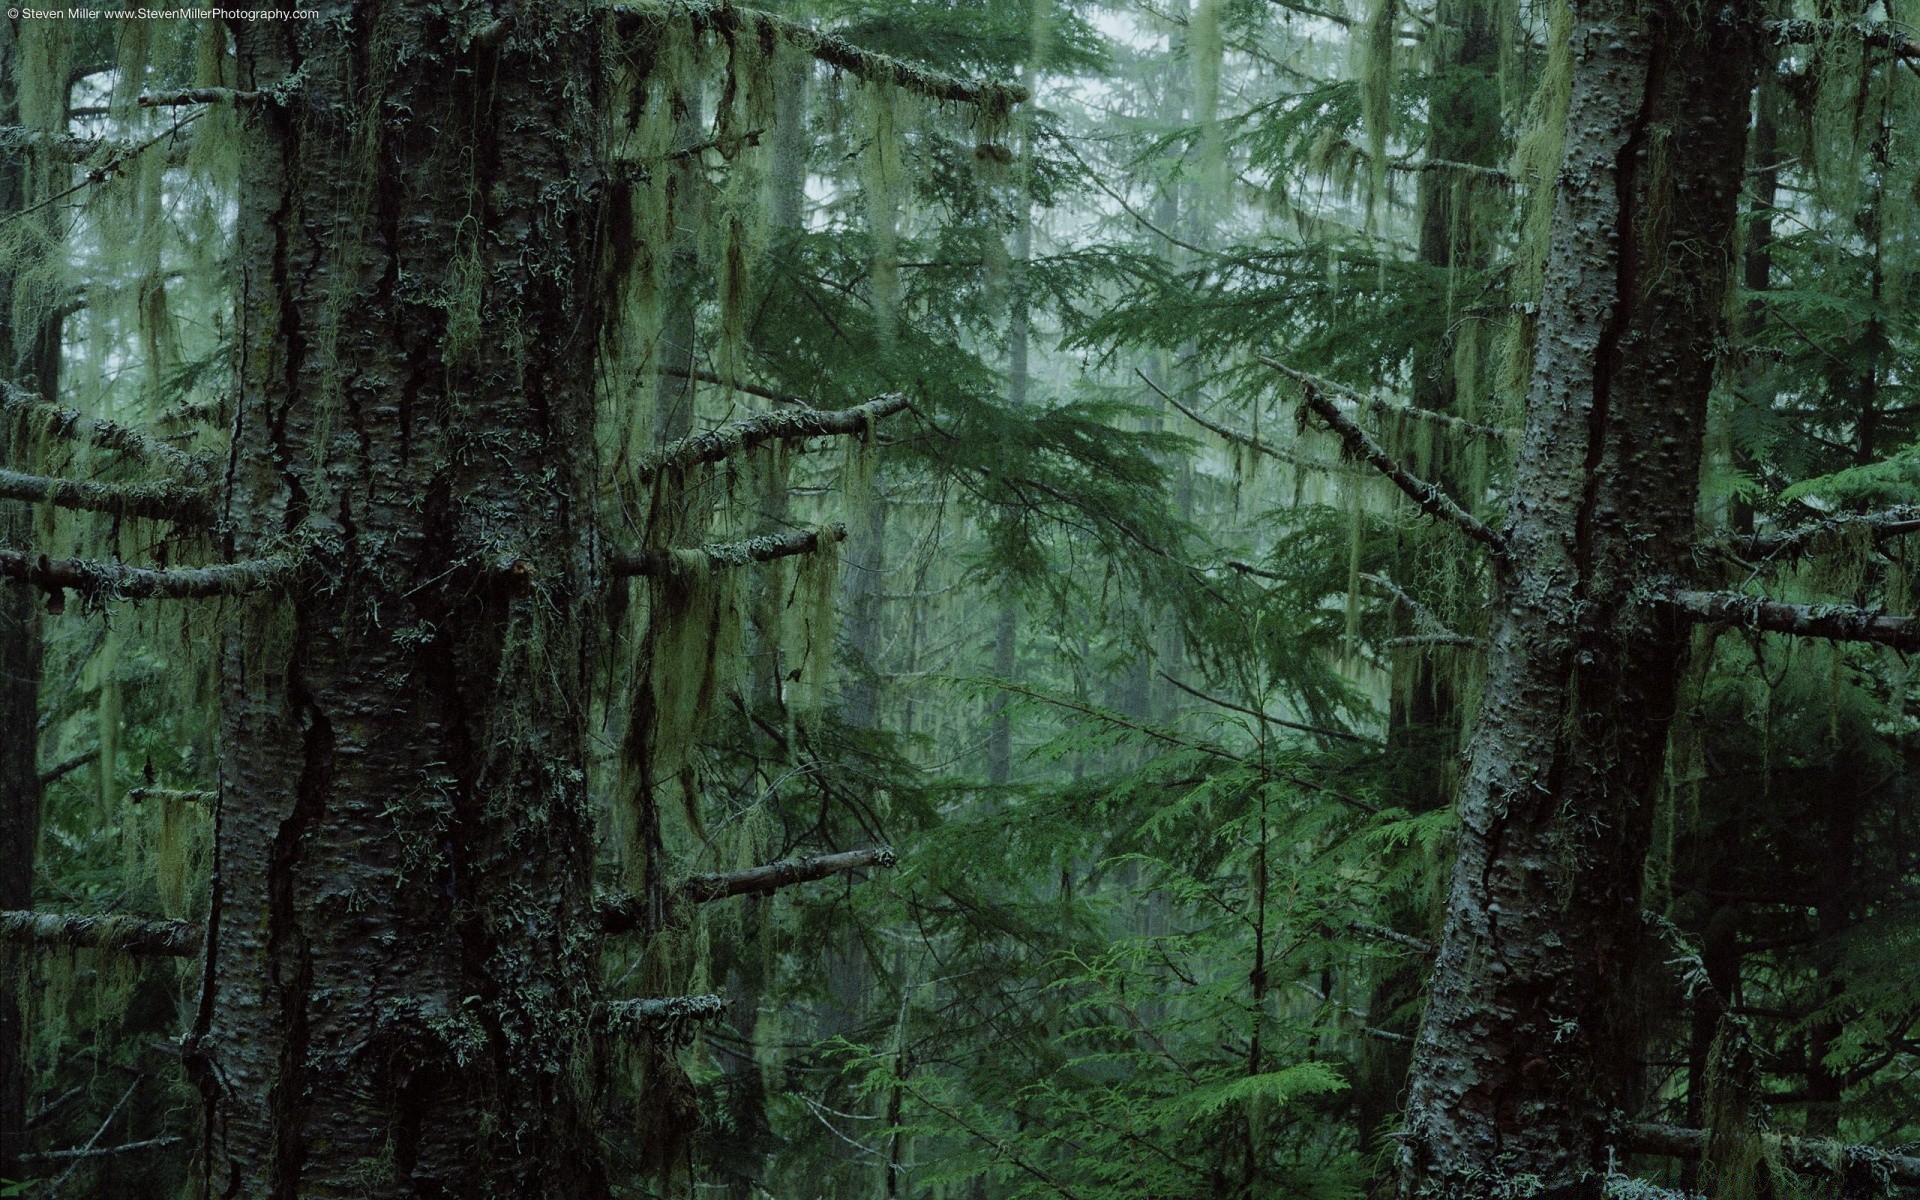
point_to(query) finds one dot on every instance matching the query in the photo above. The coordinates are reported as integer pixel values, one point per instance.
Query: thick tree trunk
(1525, 1054)
(401, 964)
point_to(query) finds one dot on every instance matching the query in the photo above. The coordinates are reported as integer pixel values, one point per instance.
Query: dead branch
(1878, 526)
(1836, 622)
(206, 95)
(1392, 408)
(130, 935)
(731, 439)
(17, 403)
(765, 548)
(52, 1156)
(1383, 933)
(68, 767)
(1432, 500)
(97, 580)
(1806, 1155)
(670, 1019)
(622, 913)
(141, 795)
(181, 504)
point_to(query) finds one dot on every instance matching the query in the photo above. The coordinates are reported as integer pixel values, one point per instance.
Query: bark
(401, 989)
(1525, 1051)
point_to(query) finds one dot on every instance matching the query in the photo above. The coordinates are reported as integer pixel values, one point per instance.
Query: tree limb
(68, 767)
(1806, 1155)
(1870, 33)
(17, 403)
(622, 913)
(1383, 933)
(1892, 523)
(50, 1156)
(744, 435)
(751, 389)
(97, 580)
(1233, 435)
(764, 548)
(131, 935)
(1392, 408)
(1431, 499)
(1836, 622)
(995, 98)
(181, 504)
(141, 795)
(205, 95)
(669, 1018)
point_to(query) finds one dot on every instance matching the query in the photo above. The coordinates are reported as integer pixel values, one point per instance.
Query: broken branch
(131, 935)
(1836, 622)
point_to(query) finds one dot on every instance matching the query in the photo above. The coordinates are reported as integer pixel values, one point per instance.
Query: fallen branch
(53, 1156)
(765, 548)
(1391, 408)
(623, 913)
(722, 18)
(1806, 1155)
(97, 580)
(1836, 622)
(1432, 500)
(744, 435)
(130, 935)
(17, 403)
(1878, 526)
(181, 504)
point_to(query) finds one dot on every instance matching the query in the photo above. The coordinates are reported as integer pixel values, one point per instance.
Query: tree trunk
(1526, 1051)
(401, 965)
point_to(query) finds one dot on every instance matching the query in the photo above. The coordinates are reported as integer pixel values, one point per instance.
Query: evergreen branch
(1391, 408)
(50, 1156)
(622, 913)
(17, 403)
(725, 19)
(1233, 435)
(181, 504)
(1892, 523)
(744, 435)
(96, 580)
(130, 935)
(1836, 622)
(1431, 499)
(1317, 730)
(1805, 1155)
(68, 767)
(669, 1018)
(734, 385)
(765, 548)
(101, 173)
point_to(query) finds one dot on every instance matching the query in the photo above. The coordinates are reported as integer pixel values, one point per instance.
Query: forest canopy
(959, 599)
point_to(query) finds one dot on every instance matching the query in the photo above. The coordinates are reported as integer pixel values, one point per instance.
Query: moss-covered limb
(1449, 165)
(1836, 622)
(131, 935)
(1871, 33)
(1892, 523)
(101, 172)
(1432, 500)
(205, 95)
(1385, 934)
(747, 388)
(667, 1017)
(55, 1156)
(1392, 408)
(76, 148)
(182, 504)
(622, 913)
(995, 98)
(744, 435)
(141, 795)
(17, 404)
(97, 580)
(765, 548)
(1806, 1155)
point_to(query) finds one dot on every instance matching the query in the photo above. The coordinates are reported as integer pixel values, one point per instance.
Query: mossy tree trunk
(401, 968)
(1526, 1052)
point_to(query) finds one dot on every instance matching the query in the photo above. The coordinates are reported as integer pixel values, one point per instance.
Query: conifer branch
(1805, 1155)
(17, 403)
(765, 548)
(1432, 500)
(1869, 33)
(97, 581)
(1235, 436)
(1835, 622)
(744, 435)
(669, 1018)
(101, 173)
(1385, 934)
(1391, 408)
(51, 774)
(1879, 526)
(751, 389)
(52, 1156)
(130, 935)
(727, 20)
(181, 504)
(622, 913)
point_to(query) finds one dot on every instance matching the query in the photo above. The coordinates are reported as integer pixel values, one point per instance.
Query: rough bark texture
(400, 982)
(1525, 1053)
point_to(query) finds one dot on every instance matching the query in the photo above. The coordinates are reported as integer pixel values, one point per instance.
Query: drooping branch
(1432, 500)
(765, 548)
(17, 403)
(182, 504)
(97, 581)
(725, 19)
(1235, 436)
(1836, 622)
(670, 1019)
(1879, 526)
(1392, 408)
(744, 435)
(53, 1156)
(622, 913)
(1806, 1155)
(130, 935)
(751, 389)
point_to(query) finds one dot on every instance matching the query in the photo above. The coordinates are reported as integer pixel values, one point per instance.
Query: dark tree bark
(1525, 1053)
(401, 967)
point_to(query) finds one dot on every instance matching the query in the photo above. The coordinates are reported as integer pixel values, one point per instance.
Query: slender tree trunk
(401, 966)
(1523, 1058)
(1006, 629)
